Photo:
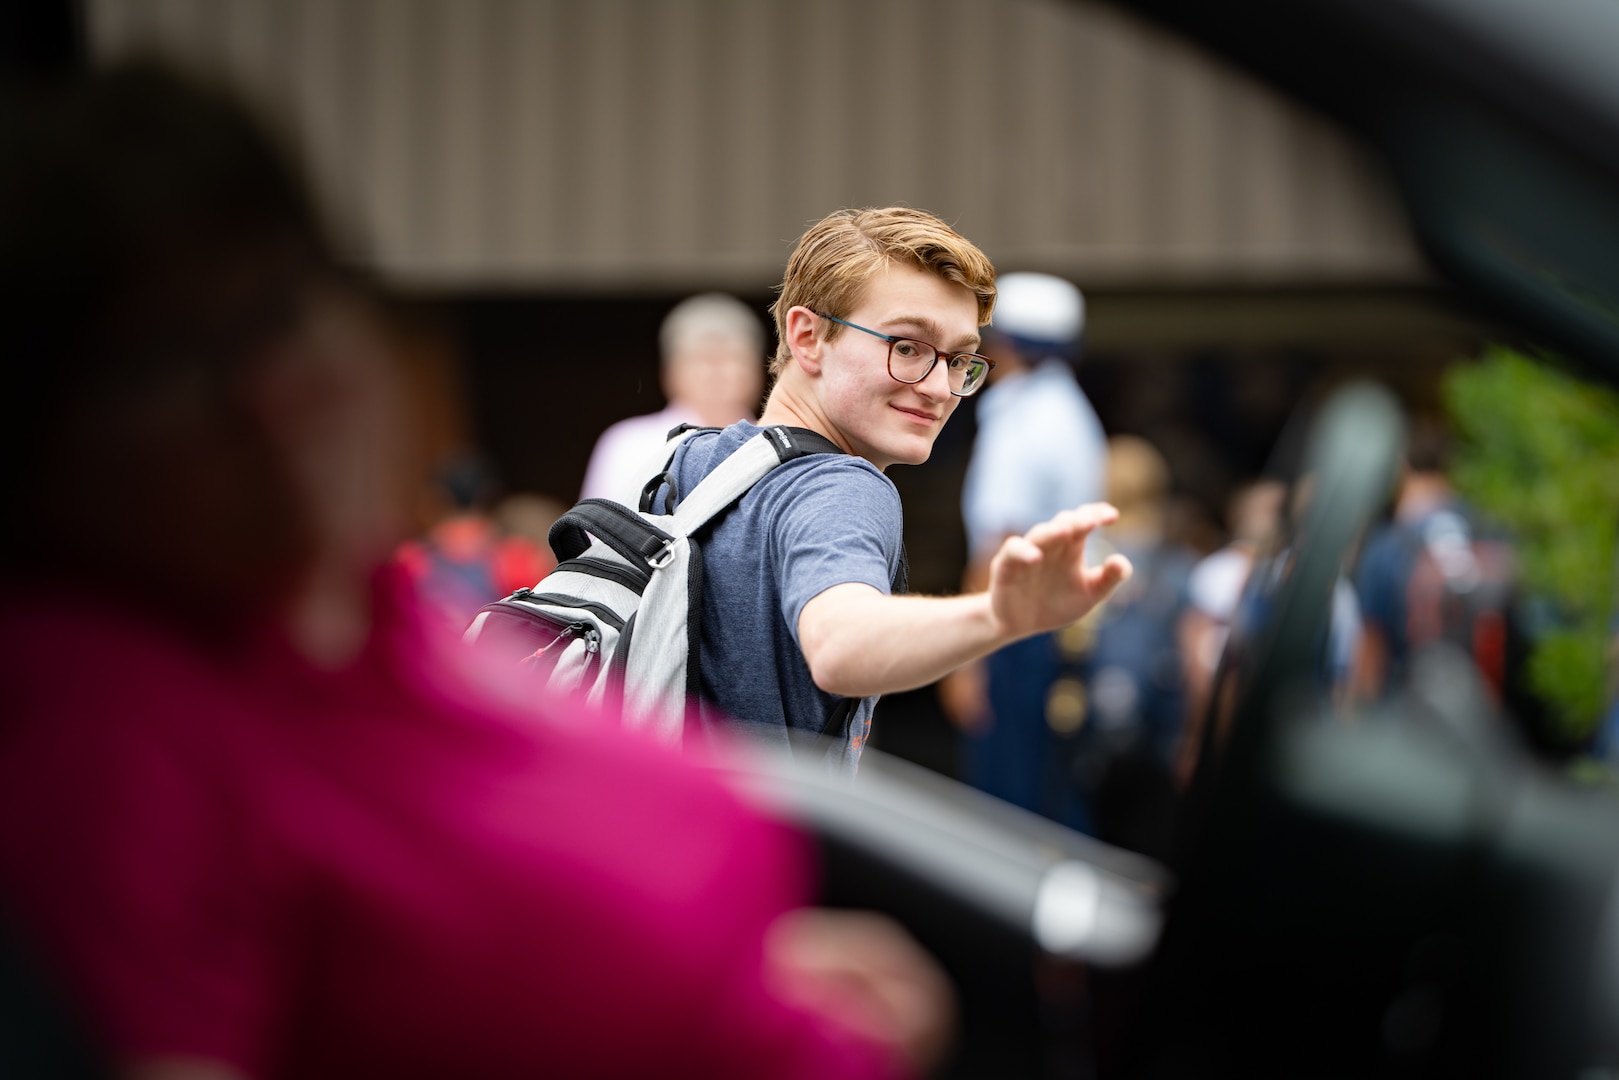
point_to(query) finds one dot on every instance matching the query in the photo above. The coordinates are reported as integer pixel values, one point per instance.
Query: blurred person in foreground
(249, 818)
(803, 625)
(712, 372)
(1040, 449)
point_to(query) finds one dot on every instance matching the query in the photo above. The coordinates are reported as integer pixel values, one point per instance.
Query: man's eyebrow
(932, 332)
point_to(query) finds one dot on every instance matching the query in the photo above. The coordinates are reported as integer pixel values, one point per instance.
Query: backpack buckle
(663, 557)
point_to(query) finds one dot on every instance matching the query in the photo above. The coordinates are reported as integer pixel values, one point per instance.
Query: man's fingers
(1095, 514)
(1069, 528)
(1115, 571)
(1022, 549)
(1088, 517)
(1072, 526)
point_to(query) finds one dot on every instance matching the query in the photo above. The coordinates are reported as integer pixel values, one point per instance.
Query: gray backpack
(619, 618)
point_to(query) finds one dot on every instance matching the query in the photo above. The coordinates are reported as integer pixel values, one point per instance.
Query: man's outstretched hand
(1039, 581)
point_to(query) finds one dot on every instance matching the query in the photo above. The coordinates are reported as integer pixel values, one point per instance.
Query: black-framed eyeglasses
(911, 361)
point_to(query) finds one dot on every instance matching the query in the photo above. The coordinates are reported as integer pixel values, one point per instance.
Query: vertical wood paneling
(1258, 139)
(1078, 80)
(626, 143)
(245, 44)
(750, 141)
(1122, 133)
(532, 92)
(815, 60)
(1036, 176)
(1193, 164)
(670, 217)
(387, 178)
(322, 89)
(253, 48)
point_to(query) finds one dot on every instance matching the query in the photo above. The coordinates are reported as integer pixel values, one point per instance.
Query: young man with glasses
(877, 326)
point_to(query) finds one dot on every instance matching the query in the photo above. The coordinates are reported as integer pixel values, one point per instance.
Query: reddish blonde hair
(835, 258)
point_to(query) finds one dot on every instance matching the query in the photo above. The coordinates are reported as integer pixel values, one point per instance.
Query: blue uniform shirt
(1040, 449)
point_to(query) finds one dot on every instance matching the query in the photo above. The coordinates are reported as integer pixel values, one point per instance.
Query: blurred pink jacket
(373, 873)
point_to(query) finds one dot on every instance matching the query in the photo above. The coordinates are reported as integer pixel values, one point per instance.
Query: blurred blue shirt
(1040, 449)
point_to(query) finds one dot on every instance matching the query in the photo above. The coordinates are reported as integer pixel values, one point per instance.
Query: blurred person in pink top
(252, 820)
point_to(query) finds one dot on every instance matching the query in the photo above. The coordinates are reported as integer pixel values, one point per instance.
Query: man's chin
(912, 455)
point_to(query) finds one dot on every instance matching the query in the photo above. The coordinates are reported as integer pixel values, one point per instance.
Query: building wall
(612, 145)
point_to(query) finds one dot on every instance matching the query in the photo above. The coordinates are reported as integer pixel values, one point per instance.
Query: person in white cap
(1040, 450)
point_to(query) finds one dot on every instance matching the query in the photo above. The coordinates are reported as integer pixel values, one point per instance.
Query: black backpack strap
(680, 429)
(621, 528)
(671, 443)
(795, 442)
(650, 489)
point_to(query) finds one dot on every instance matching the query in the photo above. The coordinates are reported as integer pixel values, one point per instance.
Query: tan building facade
(611, 145)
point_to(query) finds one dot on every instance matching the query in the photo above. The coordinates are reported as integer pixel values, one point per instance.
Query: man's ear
(803, 336)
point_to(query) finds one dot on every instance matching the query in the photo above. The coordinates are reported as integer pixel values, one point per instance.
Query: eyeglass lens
(911, 361)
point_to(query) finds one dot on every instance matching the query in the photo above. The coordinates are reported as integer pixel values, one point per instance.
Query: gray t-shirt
(812, 523)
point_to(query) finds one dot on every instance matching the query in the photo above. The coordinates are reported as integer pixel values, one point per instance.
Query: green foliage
(1538, 450)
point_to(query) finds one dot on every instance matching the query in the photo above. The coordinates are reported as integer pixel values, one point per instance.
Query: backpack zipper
(544, 657)
(601, 568)
(582, 630)
(601, 611)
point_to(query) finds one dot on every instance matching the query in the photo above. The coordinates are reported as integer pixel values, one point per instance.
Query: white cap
(1039, 307)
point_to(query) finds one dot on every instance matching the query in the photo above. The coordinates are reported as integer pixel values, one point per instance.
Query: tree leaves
(1538, 451)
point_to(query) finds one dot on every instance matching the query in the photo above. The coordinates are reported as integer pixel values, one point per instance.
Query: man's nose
(936, 383)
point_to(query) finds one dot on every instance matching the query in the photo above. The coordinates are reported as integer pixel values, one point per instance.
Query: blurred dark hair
(122, 196)
(1428, 444)
(468, 480)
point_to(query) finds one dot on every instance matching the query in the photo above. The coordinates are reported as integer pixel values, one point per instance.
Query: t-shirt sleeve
(841, 523)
